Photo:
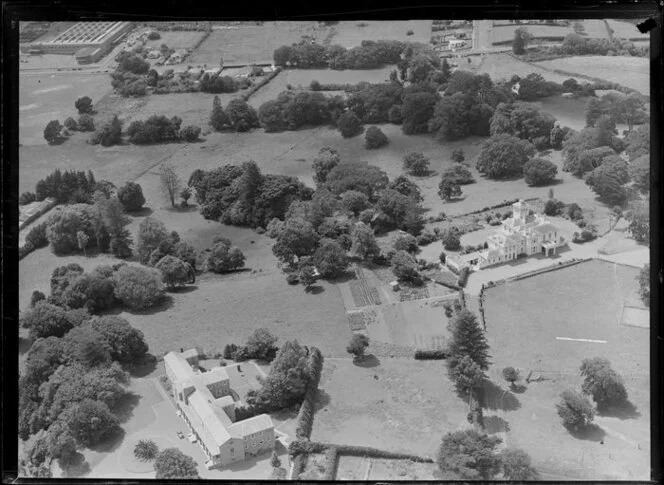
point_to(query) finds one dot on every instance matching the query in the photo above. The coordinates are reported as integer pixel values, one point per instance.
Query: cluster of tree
(600, 382)
(286, 384)
(238, 115)
(504, 156)
(576, 45)
(260, 345)
(73, 380)
(70, 186)
(638, 216)
(217, 84)
(85, 123)
(451, 181)
(170, 463)
(368, 55)
(620, 108)
(108, 134)
(243, 196)
(128, 79)
(644, 284)
(524, 121)
(158, 129)
(471, 455)
(375, 138)
(292, 110)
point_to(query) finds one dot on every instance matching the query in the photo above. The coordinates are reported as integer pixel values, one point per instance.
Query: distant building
(524, 234)
(204, 401)
(88, 41)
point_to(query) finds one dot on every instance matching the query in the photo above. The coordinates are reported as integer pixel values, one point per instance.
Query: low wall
(47, 205)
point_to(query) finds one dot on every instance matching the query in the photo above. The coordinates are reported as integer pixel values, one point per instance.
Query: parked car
(192, 437)
(180, 435)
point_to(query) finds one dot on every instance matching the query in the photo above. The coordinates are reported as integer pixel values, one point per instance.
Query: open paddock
(405, 406)
(351, 33)
(548, 324)
(501, 66)
(185, 39)
(633, 72)
(250, 44)
(626, 30)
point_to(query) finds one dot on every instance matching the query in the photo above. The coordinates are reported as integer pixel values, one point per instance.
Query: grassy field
(524, 319)
(633, 72)
(176, 39)
(253, 44)
(594, 28)
(625, 30)
(45, 98)
(303, 77)
(503, 66)
(403, 405)
(352, 33)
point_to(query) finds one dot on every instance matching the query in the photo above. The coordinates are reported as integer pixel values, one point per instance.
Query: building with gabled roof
(205, 402)
(525, 233)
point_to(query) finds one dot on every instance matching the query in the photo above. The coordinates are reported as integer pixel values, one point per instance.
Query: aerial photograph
(334, 250)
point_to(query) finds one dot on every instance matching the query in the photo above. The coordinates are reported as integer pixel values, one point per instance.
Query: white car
(192, 437)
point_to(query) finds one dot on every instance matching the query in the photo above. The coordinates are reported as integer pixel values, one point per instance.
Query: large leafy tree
(539, 171)
(297, 238)
(90, 422)
(349, 124)
(466, 374)
(602, 382)
(504, 155)
(175, 272)
(522, 120)
(241, 116)
(416, 110)
(261, 345)
(151, 232)
(171, 463)
(52, 132)
(404, 267)
(575, 410)
(416, 163)
(359, 176)
(325, 161)
(517, 465)
(131, 196)
(448, 190)
(45, 320)
(468, 339)
(137, 287)
(126, 344)
(223, 257)
(638, 216)
(607, 181)
(364, 243)
(469, 455)
(218, 118)
(639, 173)
(84, 105)
(331, 260)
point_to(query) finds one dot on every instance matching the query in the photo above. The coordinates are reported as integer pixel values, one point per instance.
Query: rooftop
(546, 227)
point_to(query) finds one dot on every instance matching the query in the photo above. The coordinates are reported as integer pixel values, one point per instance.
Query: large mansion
(525, 233)
(204, 400)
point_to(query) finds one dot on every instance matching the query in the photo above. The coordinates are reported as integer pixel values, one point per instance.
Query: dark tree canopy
(539, 171)
(504, 155)
(359, 176)
(131, 196)
(468, 339)
(375, 138)
(469, 455)
(171, 463)
(575, 410)
(517, 465)
(349, 124)
(602, 383)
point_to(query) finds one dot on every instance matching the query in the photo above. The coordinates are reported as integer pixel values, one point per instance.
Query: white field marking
(27, 107)
(582, 340)
(50, 90)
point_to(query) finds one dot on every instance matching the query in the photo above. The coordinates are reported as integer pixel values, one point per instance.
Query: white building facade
(524, 234)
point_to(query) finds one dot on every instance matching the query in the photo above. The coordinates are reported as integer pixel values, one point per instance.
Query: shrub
(86, 123)
(146, 450)
(131, 197)
(430, 354)
(349, 125)
(553, 207)
(539, 171)
(575, 410)
(83, 105)
(138, 287)
(223, 257)
(70, 124)
(175, 272)
(404, 267)
(26, 198)
(357, 345)
(416, 163)
(65, 223)
(451, 239)
(190, 133)
(293, 279)
(602, 383)
(241, 116)
(426, 238)
(375, 138)
(463, 277)
(37, 236)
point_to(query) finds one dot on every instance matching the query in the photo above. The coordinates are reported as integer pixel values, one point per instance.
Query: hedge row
(305, 416)
(430, 355)
(306, 447)
(299, 462)
(463, 277)
(462, 298)
(35, 239)
(369, 452)
(260, 84)
(331, 461)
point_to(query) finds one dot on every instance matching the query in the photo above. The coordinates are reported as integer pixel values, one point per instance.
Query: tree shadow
(495, 424)
(626, 410)
(124, 409)
(143, 212)
(183, 289)
(144, 368)
(322, 400)
(592, 432)
(76, 467)
(368, 361)
(551, 183)
(178, 208)
(111, 443)
(315, 290)
(24, 345)
(455, 200)
(518, 388)
(495, 397)
(344, 278)
(164, 305)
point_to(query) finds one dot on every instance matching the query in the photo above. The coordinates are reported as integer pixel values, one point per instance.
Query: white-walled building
(204, 401)
(524, 234)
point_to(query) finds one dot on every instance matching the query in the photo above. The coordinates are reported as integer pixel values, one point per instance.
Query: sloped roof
(209, 425)
(547, 227)
(180, 367)
(252, 425)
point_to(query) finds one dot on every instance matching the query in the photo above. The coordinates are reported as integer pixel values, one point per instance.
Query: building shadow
(626, 410)
(592, 432)
(495, 424)
(495, 397)
(367, 361)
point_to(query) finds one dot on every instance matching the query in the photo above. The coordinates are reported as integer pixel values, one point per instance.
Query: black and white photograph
(375, 250)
